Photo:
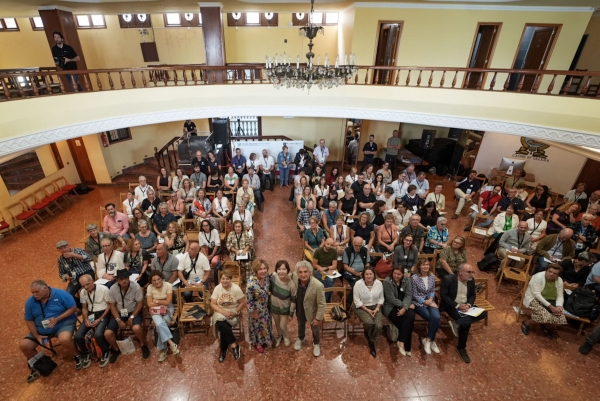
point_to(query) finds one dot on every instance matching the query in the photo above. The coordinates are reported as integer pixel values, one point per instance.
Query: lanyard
(437, 199)
(174, 206)
(109, 257)
(535, 227)
(131, 205)
(354, 258)
(143, 190)
(242, 216)
(43, 305)
(406, 256)
(577, 197)
(133, 258)
(208, 238)
(187, 193)
(390, 233)
(441, 234)
(421, 184)
(220, 205)
(520, 241)
(558, 245)
(92, 299)
(487, 201)
(322, 153)
(401, 186)
(340, 233)
(238, 238)
(123, 295)
(162, 265)
(194, 263)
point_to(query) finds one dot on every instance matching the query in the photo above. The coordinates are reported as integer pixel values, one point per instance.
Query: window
(301, 19)
(90, 21)
(135, 21)
(245, 126)
(8, 24)
(252, 19)
(118, 135)
(182, 20)
(36, 23)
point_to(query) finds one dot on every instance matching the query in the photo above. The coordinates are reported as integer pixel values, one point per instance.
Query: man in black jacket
(458, 296)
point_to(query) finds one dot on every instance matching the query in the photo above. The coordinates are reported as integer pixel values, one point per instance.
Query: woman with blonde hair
(186, 191)
(257, 299)
(562, 217)
(175, 239)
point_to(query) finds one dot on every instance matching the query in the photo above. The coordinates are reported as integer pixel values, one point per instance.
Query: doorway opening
(533, 53)
(387, 51)
(484, 45)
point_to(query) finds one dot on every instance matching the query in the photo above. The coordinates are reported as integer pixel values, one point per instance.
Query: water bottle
(197, 280)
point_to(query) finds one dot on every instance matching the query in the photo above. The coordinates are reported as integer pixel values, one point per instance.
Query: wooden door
(81, 160)
(387, 50)
(589, 175)
(481, 54)
(538, 54)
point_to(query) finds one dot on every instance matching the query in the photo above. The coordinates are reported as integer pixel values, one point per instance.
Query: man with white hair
(321, 153)
(141, 191)
(310, 305)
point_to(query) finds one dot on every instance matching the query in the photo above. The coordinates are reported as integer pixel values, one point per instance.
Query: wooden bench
(583, 321)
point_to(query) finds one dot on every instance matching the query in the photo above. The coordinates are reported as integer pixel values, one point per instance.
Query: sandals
(525, 328)
(547, 333)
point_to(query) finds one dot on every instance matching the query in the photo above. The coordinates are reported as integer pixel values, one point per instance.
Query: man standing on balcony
(66, 58)
(321, 153)
(394, 143)
(267, 166)
(189, 128)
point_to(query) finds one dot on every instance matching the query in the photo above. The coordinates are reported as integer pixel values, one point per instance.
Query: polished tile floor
(505, 364)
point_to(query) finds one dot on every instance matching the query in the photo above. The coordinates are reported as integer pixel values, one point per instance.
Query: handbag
(384, 267)
(580, 302)
(43, 363)
(339, 314)
(158, 310)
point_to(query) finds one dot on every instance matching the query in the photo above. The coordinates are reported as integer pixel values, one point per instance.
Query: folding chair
(4, 226)
(55, 194)
(20, 215)
(481, 299)
(32, 203)
(63, 185)
(41, 196)
(188, 323)
(133, 185)
(518, 274)
(235, 269)
(328, 317)
(482, 232)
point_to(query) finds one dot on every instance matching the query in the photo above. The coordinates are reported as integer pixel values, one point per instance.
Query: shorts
(68, 326)
(113, 325)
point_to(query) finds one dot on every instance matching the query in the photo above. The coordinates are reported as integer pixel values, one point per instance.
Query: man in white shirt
(193, 264)
(141, 191)
(109, 261)
(95, 314)
(400, 185)
(321, 153)
(267, 167)
(422, 185)
(255, 184)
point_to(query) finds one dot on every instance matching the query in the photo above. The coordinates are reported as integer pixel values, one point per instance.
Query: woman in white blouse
(368, 300)
(129, 204)
(231, 180)
(438, 197)
(244, 216)
(221, 205)
(340, 234)
(352, 177)
(536, 228)
(178, 179)
(187, 192)
(402, 214)
(209, 237)
(322, 189)
(505, 221)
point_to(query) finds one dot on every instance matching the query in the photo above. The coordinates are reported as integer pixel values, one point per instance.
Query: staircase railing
(167, 155)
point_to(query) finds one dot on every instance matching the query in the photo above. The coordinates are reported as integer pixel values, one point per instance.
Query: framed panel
(118, 135)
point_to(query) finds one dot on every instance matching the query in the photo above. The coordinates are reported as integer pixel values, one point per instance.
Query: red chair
(21, 215)
(62, 184)
(4, 226)
(41, 196)
(53, 194)
(31, 202)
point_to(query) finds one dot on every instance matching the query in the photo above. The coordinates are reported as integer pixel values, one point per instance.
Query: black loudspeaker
(427, 139)
(457, 155)
(220, 135)
(455, 133)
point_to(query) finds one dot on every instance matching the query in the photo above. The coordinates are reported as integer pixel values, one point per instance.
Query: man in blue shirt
(49, 312)
(239, 163)
(465, 190)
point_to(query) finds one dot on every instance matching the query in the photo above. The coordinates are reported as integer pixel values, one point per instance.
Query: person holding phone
(66, 58)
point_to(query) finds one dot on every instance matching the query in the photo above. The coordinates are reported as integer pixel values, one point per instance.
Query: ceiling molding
(23, 142)
(485, 7)
(211, 4)
(63, 8)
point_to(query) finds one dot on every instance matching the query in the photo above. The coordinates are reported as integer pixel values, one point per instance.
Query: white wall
(558, 173)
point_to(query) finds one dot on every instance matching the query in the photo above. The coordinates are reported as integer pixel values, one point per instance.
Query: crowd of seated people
(347, 224)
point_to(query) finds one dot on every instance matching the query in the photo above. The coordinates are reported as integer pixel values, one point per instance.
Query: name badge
(468, 191)
(124, 312)
(91, 318)
(415, 208)
(239, 166)
(405, 256)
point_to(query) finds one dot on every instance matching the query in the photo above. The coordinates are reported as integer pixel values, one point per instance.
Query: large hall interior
(418, 181)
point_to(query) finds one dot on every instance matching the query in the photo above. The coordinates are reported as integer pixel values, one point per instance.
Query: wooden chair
(189, 324)
(328, 317)
(4, 226)
(30, 202)
(433, 257)
(520, 275)
(190, 228)
(41, 196)
(480, 231)
(481, 300)
(133, 185)
(354, 218)
(61, 184)
(55, 194)
(235, 269)
(122, 197)
(20, 215)
(222, 230)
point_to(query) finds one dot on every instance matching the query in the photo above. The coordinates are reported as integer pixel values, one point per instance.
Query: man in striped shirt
(72, 264)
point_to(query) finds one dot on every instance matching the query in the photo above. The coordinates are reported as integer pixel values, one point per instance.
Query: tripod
(239, 131)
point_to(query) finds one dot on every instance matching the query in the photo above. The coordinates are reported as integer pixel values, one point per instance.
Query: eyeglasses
(469, 271)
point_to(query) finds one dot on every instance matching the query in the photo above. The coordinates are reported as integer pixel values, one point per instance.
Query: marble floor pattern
(505, 365)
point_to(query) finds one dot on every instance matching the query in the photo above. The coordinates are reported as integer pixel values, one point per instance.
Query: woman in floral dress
(257, 297)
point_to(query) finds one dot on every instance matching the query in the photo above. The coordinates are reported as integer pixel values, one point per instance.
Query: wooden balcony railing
(30, 84)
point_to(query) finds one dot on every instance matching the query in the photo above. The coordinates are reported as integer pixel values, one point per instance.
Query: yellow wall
(93, 147)
(69, 172)
(590, 57)
(252, 44)
(24, 48)
(310, 130)
(47, 161)
(444, 37)
(345, 29)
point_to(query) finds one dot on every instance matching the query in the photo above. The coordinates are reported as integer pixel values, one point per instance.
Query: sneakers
(237, 352)
(222, 355)
(114, 355)
(286, 341)
(278, 342)
(298, 344)
(427, 346)
(33, 376)
(162, 356)
(316, 349)
(145, 352)
(585, 348)
(434, 347)
(78, 361)
(103, 360)
(454, 328)
(462, 353)
(174, 349)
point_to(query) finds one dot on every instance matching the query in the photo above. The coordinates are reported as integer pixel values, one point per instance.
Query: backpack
(581, 302)
(489, 262)
(339, 314)
(92, 345)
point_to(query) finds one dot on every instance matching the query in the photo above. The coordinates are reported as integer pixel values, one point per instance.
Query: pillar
(214, 37)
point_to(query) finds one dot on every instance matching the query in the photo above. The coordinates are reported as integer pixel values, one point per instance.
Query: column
(214, 38)
(63, 21)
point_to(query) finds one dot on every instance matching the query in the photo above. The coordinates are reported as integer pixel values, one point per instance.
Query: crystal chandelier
(280, 71)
